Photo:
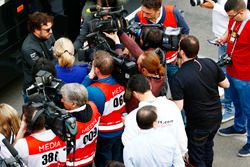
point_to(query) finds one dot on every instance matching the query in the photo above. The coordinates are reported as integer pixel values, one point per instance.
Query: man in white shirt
(152, 147)
(169, 116)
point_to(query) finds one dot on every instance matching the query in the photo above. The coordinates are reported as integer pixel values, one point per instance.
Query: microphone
(94, 9)
(13, 151)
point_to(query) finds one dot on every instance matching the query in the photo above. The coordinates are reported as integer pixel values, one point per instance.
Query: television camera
(170, 36)
(108, 19)
(123, 68)
(42, 95)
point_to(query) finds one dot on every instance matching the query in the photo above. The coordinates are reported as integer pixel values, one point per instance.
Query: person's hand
(221, 40)
(113, 36)
(92, 71)
(208, 4)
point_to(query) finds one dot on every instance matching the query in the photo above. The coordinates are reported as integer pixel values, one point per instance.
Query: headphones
(149, 42)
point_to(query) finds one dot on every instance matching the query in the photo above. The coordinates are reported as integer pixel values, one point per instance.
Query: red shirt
(240, 69)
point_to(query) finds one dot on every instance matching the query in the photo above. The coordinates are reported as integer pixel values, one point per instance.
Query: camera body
(123, 69)
(224, 60)
(170, 36)
(108, 21)
(45, 88)
(198, 2)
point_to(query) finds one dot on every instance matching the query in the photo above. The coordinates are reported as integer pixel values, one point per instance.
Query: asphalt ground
(199, 21)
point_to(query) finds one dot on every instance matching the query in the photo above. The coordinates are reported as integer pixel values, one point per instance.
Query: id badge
(233, 37)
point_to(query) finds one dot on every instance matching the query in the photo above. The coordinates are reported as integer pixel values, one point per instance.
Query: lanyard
(240, 30)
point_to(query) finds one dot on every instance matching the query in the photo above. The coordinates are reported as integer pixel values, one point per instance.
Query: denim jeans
(200, 145)
(108, 149)
(240, 91)
(226, 101)
(171, 70)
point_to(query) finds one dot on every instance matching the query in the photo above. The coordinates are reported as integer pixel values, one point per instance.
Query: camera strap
(240, 29)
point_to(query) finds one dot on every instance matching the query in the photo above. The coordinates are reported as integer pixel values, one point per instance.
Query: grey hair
(75, 93)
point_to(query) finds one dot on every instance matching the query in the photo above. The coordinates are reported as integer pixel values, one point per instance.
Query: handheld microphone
(13, 151)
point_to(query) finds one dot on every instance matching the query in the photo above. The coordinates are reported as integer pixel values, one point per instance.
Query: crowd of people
(139, 123)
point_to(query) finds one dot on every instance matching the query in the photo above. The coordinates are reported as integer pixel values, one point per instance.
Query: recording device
(198, 2)
(15, 160)
(45, 88)
(123, 69)
(224, 60)
(57, 119)
(94, 9)
(43, 94)
(170, 36)
(107, 20)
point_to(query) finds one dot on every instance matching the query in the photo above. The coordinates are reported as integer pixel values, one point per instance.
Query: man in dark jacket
(37, 44)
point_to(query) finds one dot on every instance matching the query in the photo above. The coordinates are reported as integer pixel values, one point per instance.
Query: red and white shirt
(43, 149)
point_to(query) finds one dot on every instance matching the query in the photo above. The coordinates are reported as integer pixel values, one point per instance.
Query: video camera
(45, 88)
(57, 119)
(123, 68)
(108, 19)
(43, 94)
(170, 38)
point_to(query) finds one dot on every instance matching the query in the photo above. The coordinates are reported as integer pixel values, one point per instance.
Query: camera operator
(75, 100)
(37, 44)
(42, 147)
(148, 64)
(63, 50)
(153, 12)
(9, 126)
(108, 95)
(238, 45)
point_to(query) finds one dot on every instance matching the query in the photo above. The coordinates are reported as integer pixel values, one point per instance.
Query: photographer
(42, 147)
(9, 126)
(63, 50)
(153, 12)
(75, 100)
(108, 95)
(238, 45)
(37, 44)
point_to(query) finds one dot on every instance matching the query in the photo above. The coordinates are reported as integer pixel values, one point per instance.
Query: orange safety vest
(86, 139)
(111, 119)
(168, 21)
(45, 152)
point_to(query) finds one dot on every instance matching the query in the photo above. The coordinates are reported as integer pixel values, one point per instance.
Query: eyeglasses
(233, 16)
(47, 29)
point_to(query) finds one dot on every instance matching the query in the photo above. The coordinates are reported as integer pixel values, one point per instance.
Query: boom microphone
(94, 9)
(13, 151)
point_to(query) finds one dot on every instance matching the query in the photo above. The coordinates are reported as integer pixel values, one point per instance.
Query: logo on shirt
(33, 56)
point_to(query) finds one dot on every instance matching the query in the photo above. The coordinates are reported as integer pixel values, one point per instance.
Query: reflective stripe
(172, 58)
(81, 162)
(110, 127)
